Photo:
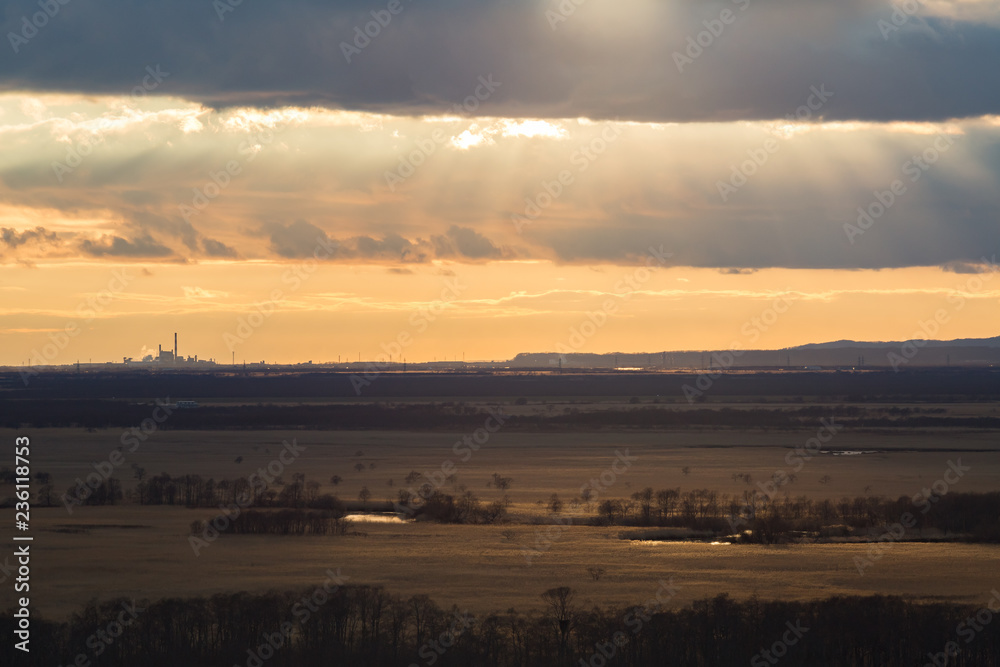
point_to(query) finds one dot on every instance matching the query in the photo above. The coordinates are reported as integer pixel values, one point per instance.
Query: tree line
(422, 500)
(197, 491)
(366, 625)
(761, 513)
(459, 416)
(766, 517)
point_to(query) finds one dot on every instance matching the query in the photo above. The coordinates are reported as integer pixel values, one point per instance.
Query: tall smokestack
(175, 346)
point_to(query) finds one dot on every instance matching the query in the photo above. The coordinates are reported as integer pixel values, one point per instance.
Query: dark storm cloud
(935, 223)
(218, 249)
(390, 247)
(300, 239)
(297, 240)
(465, 242)
(116, 246)
(602, 60)
(173, 226)
(13, 238)
(969, 268)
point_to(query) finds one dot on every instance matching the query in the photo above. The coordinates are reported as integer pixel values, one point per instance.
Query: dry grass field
(90, 554)
(474, 567)
(543, 463)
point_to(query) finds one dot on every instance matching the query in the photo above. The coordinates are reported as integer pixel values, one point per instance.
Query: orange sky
(205, 214)
(486, 311)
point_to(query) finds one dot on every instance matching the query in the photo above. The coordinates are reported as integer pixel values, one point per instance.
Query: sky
(438, 179)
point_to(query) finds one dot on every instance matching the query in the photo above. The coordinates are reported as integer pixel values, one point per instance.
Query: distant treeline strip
(448, 415)
(927, 385)
(766, 512)
(762, 518)
(365, 625)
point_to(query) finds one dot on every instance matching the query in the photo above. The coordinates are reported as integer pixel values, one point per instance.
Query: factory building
(168, 357)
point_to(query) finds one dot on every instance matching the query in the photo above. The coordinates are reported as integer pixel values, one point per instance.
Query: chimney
(175, 346)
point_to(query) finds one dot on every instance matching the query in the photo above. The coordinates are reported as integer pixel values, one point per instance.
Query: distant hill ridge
(958, 342)
(966, 352)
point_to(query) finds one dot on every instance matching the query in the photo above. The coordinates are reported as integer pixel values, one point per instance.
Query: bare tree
(744, 476)
(666, 500)
(611, 509)
(645, 500)
(560, 601)
(501, 482)
(44, 493)
(596, 572)
(555, 505)
(140, 474)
